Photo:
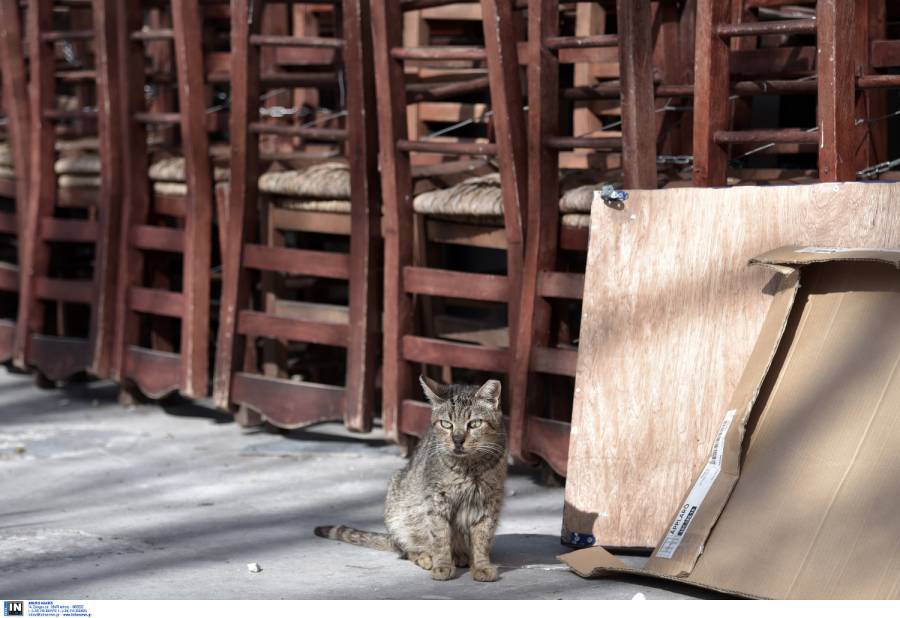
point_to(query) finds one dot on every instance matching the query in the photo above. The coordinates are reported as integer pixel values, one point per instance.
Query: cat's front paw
(485, 573)
(424, 561)
(442, 572)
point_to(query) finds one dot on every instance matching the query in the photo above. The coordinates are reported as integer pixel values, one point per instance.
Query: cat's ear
(435, 392)
(490, 392)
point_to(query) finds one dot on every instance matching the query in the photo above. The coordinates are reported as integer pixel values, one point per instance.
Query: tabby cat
(442, 509)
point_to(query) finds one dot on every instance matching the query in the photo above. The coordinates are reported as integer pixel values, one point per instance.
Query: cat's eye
(446, 424)
(475, 424)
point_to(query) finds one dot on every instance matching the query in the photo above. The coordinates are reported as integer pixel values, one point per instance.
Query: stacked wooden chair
(485, 211)
(458, 24)
(828, 49)
(171, 182)
(70, 232)
(302, 258)
(596, 85)
(560, 201)
(14, 153)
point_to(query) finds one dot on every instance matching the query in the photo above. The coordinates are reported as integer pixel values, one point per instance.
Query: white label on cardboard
(698, 492)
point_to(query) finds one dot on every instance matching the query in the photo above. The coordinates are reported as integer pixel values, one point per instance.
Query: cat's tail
(372, 540)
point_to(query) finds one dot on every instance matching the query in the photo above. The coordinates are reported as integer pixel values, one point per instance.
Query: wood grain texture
(670, 314)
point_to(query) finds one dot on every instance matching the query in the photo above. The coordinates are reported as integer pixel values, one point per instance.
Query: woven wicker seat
(175, 189)
(474, 197)
(576, 219)
(579, 199)
(336, 206)
(325, 181)
(172, 170)
(6, 156)
(80, 164)
(79, 181)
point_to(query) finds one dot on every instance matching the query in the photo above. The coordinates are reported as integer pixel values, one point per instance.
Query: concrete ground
(172, 502)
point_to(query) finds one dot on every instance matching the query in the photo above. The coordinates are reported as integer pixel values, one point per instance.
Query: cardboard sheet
(804, 501)
(670, 317)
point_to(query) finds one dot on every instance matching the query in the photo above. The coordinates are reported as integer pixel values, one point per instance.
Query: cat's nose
(459, 439)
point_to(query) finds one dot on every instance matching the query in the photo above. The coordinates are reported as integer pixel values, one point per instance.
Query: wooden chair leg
(835, 67)
(398, 240)
(638, 115)
(274, 359)
(711, 90)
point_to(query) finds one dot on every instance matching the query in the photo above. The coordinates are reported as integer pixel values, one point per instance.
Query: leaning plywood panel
(670, 316)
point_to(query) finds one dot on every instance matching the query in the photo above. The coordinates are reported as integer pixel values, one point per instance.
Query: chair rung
(757, 28)
(414, 5)
(436, 92)
(466, 234)
(259, 324)
(324, 133)
(561, 285)
(287, 403)
(439, 53)
(87, 75)
(464, 355)
(454, 284)
(9, 277)
(300, 220)
(65, 290)
(764, 136)
(614, 91)
(156, 302)
(295, 41)
(297, 261)
(8, 224)
(70, 114)
(415, 417)
(597, 143)
(156, 373)
(549, 439)
(160, 34)
(51, 36)
(283, 78)
(170, 205)
(153, 238)
(582, 42)
(312, 312)
(869, 82)
(555, 361)
(158, 117)
(68, 230)
(469, 148)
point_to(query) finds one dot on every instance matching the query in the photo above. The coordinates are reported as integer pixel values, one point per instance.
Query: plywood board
(670, 315)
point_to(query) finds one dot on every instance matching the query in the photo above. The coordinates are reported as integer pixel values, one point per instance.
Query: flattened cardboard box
(800, 496)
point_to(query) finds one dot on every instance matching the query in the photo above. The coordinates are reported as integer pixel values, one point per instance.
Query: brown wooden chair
(333, 200)
(70, 233)
(844, 47)
(163, 325)
(14, 154)
(559, 211)
(409, 281)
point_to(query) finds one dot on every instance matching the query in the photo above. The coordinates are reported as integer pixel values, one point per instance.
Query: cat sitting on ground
(442, 509)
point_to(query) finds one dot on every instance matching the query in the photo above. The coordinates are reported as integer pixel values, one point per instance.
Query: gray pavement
(173, 501)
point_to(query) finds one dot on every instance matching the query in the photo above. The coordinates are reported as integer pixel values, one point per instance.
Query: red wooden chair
(844, 33)
(409, 280)
(163, 325)
(14, 154)
(70, 233)
(559, 212)
(327, 211)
